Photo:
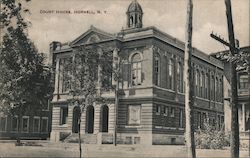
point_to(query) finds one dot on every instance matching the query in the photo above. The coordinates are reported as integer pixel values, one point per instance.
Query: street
(102, 151)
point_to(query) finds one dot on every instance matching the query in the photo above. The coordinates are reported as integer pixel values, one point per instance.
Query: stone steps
(85, 138)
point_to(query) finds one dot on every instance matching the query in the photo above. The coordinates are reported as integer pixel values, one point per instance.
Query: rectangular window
(171, 74)
(137, 140)
(199, 120)
(219, 122)
(212, 88)
(25, 124)
(243, 82)
(221, 91)
(36, 124)
(64, 115)
(136, 73)
(158, 109)
(14, 124)
(180, 77)
(157, 78)
(173, 140)
(198, 83)
(204, 120)
(128, 140)
(213, 122)
(44, 125)
(134, 114)
(3, 123)
(172, 112)
(181, 119)
(217, 92)
(222, 122)
(165, 111)
(203, 85)
(206, 86)
(46, 106)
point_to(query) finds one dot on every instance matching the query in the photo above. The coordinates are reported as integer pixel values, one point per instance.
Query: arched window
(136, 69)
(197, 79)
(136, 19)
(212, 87)
(180, 77)
(131, 20)
(206, 86)
(171, 74)
(156, 69)
(92, 39)
(200, 86)
(217, 92)
(203, 85)
(221, 91)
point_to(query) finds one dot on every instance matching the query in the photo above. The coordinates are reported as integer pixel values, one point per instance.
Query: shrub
(211, 138)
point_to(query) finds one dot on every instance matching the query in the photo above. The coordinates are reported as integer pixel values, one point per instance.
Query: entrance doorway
(104, 119)
(76, 115)
(89, 119)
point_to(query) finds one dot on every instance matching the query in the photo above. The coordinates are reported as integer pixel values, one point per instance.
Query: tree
(90, 72)
(24, 79)
(188, 76)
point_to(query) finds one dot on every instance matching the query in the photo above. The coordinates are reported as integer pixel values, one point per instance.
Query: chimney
(53, 46)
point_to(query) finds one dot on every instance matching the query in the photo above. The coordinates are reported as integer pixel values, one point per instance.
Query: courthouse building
(151, 106)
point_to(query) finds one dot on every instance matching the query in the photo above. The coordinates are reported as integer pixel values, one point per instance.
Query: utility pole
(188, 76)
(234, 142)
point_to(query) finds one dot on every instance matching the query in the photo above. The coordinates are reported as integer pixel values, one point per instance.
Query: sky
(167, 15)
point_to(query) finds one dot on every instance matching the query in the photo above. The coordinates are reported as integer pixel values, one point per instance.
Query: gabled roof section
(92, 35)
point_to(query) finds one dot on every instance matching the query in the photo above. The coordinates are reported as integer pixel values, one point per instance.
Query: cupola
(134, 15)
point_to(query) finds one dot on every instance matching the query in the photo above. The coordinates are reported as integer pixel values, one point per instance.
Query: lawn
(102, 151)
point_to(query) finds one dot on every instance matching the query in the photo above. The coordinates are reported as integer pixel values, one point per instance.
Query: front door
(90, 119)
(76, 114)
(104, 118)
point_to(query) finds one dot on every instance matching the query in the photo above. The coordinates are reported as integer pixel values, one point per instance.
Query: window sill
(133, 126)
(63, 125)
(161, 127)
(169, 128)
(202, 98)
(3, 131)
(166, 89)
